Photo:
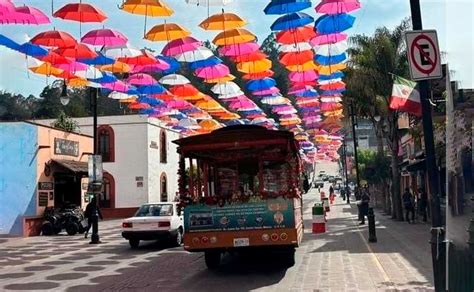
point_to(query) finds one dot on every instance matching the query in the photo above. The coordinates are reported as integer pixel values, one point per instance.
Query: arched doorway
(163, 188)
(107, 198)
(163, 147)
(106, 143)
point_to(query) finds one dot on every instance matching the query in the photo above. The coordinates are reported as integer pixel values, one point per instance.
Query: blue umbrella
(261, 84)
(309, 109)
(308, 93)
(9, 43)
(235, 122)
(252, 112)
(150, 101)
(334, 75)
(32, 50)
(336, 23)
(211, 61)
(292, 20)
(330, 60)
(174, 65)
(332, 92)
(286, 6)
(99, 60)
(106, 78)
(151, 89)
(147, 111)
(179, 116)
(132, 91)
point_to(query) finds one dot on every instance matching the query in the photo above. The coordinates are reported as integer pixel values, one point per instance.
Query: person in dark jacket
(364, 205)
(408, 204)
(306, 185)
(422, 203)
(92, 214)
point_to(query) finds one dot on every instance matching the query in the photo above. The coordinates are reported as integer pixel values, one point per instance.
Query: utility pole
(356, 161)
(438, 251)
(95, 239)
(344, 166)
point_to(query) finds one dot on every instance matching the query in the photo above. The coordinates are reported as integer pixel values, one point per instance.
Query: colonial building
(140, 163)
(39, 167)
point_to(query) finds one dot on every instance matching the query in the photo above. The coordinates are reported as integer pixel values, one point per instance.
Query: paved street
(339, 260)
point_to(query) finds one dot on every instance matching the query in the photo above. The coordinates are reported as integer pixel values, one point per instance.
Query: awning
(416, 166)
(78, 167)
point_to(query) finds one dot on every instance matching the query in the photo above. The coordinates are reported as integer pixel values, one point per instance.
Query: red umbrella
(255, 56)
(295, 35)
(145, 59)
(296, 58)
(55, 59)
(79, 51)
(260, 75)
(54, 38)
(81, 12)
(184, 90)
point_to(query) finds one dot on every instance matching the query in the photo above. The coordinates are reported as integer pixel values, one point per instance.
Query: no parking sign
(423, 55)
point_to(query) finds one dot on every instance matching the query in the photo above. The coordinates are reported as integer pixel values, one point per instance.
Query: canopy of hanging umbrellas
(312, 50)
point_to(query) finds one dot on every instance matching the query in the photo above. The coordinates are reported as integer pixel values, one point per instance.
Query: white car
(154, 221)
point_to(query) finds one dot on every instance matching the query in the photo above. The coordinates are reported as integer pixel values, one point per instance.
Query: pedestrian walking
(422, 202)
(306, 185)
(92, 213)
(364, 205)
(408, 204)
(331, 190)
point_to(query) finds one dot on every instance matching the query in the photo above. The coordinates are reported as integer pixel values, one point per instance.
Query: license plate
(241, 242)
(147, 226)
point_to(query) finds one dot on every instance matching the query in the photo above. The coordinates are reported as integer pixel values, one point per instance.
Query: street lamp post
(356, 161)
(344, 166)
(438, 251)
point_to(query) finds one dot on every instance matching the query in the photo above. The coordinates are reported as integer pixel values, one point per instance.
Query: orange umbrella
(208, 105)
(117, 67)
(46, 69)
(167, 32)
(77, 82)
(260, 75)
(234, 36)
(255, 66)
(296, 35)
(223, 79)
(310, 65)
(222, 21)
(184, 90)
(209, 125)
(154, 8)
(296, 58)
(230, 116)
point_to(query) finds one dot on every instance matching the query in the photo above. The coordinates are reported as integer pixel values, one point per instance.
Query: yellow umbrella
(229, 77)
(209, 125)
(46, 69)
(128, 100)
(222, 21)
(208, 105)
(167, 32)
(255, 66)
(328, 70)
(230, 116)
(77, 82)
(196, 97)
(147, 7)
(117, 67)
(303, 67)
(234, 36)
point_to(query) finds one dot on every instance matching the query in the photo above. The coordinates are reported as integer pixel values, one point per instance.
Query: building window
(107, 197)
(163, 150)
(163, 188)
(106, 143)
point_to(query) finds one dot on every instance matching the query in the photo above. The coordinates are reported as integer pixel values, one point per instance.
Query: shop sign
(66, 147)
(264, 214)
(45, 186)
(43, 199)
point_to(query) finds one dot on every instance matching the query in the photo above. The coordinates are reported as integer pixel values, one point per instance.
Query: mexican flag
(405, 96)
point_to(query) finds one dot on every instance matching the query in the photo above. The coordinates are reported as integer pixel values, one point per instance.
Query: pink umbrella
(337, 6)
(213, 72)
(118, 85)
(299, 88)
(179, 104)
(104, 37)
(303, 76)
(141, 79)
(324, 39)
(73, 67)
(239, 49)
(180, 46)
(331, 99)
(32, 15)
(157, 67)
(269, 91)
(243, 104)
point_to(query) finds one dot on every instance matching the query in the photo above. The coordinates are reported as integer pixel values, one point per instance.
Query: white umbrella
(189, 124)
(121, 51)
(230, 95)
(331, 49)
(330, 99)
(199, 54)
(90, 73)
(293, 48)
(228, 87)
(174, 79)
(324, 82)
(280, 100)
(120, 95)
(209, 2)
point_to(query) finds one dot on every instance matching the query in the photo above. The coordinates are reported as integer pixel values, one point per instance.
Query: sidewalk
(343, 260)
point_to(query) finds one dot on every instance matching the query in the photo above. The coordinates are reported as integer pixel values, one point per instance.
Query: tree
(373, 60)
(65, 123)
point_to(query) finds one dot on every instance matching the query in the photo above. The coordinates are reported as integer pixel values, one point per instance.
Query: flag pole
(437, 241)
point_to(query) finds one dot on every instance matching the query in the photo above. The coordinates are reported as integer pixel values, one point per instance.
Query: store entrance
(67, 190)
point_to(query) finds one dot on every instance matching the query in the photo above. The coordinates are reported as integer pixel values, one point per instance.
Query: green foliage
(373, 167)
(65, 123)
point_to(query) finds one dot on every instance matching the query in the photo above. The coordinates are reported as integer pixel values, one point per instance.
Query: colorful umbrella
(286, 6)
(180, 46)
(54, 38)
(298, 47)
(226, 88)
(118, 86)
(199, 54)
(78, 51)
(255, 66)
(152, 8)
(226, 78)
(209, 2)
(159, 66)
(213, 60)
(27, 15)
(99, 60)
(323, 39)
(298, 58)
(234, 36)
(238, 49)
(292, 20)
(208, 105)
(328, 24)
(261, 84)
(184, 90)
(222, 21)
(120, 51)
(213, 72)
(45, 69)
(331, 49)
(167, 32)
(80, 12)
(141, 79)
(295, 35)
(117, 67)
(174, 79)
(303, 76)
(145, 58)
(104, 37)
(337, 6)
(210, 125)
(330, 60)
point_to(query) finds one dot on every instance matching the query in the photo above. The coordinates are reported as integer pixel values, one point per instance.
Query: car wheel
(213, 259)
(72, 228)
(178, 238)
(289, 258)
(47, 229)
(134, 243)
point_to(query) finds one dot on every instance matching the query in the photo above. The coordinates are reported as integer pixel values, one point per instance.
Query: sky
(452, 19)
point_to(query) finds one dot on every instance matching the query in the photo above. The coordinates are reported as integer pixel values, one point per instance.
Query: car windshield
(155, 210)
